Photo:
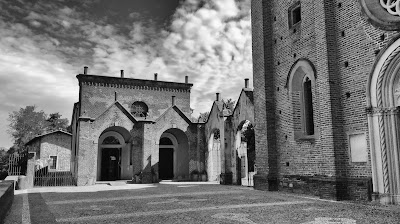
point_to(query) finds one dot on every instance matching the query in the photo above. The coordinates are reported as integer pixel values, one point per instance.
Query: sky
(45, 44)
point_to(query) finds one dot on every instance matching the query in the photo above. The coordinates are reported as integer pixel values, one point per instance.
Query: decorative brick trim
(116, 82)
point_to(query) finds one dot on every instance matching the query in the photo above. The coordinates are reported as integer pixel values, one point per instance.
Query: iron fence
(51, 175)
(17, 164)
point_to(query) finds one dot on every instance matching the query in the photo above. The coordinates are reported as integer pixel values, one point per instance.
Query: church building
(122, 127)
(326, 97)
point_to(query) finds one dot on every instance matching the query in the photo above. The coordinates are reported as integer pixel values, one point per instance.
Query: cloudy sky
(45, 44)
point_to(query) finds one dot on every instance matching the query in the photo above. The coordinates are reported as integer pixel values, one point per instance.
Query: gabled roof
(183, 115)
(122, 108)
(48, 133)
(221, 108)
(249, 94)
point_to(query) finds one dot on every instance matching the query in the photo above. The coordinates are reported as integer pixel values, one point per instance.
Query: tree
(3, 158)
(26, 124)
(54, 122)
(229, 104)
(203, 117)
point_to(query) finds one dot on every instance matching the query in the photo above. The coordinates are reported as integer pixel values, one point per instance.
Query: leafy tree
(55, 122)
(203, 117)
(3, 158)
(229, 104)
(26, 123)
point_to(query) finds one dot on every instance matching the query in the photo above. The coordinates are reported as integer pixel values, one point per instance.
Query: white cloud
(214, 44)
(211, 44)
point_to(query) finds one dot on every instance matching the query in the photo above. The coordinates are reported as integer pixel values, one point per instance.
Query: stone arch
(114, 160)
(173, 158)
(245, 150)
(301, 96)
(383, 90)
(213, 155)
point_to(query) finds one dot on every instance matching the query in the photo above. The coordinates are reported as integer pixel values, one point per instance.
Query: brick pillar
(333, 153)
(264, 106)
(87, 166)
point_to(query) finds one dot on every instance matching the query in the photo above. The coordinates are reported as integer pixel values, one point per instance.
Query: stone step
(112, 183)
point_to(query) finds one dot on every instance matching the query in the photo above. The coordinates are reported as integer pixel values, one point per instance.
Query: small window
(53, 162)
(294, 14)
(139, 109)
(216, 134)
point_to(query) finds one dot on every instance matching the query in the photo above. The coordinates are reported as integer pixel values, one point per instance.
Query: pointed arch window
(301, 81)
(308, 107)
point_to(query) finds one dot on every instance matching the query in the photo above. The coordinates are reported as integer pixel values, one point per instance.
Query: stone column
(384, 124)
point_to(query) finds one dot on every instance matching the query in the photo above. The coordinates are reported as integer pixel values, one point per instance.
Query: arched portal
(383, 95)
(245, 150)
(214, 156)
(114, 160)
(173, 155)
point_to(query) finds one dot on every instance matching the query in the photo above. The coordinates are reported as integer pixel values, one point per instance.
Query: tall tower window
(308, 108)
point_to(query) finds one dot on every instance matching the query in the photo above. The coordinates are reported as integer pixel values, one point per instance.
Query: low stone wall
(355, 189)
(6, 198)
(264, 182)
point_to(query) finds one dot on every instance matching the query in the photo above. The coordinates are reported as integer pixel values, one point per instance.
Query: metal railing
(17, 164)
(54, 176)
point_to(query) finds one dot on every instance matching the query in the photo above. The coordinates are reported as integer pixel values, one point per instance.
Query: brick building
(326, 92)
(52, 149)
(230, 140)
(123, 126)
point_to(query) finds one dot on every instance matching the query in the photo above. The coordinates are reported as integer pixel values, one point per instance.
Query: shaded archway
(213, 155)
(383, 95)
(245, 148)
(114, 160)
(173, 155)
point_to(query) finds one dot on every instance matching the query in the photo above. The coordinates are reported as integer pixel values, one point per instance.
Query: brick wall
(98, 93)
(57, 144)
(342, 46)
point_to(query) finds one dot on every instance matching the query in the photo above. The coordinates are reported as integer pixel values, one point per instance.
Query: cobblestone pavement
(193, 202)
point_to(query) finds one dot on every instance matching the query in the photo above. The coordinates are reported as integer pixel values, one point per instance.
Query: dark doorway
(239, 170)
(110, 164)
(166, 164)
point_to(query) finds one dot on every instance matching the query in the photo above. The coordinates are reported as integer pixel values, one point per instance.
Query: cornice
(129, 83)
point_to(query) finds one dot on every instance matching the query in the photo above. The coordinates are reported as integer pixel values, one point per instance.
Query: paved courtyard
(190, 202)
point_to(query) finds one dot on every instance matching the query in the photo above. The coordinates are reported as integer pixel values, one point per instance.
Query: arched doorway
(383, 99)
(173, 155)
(168, 145)
(114, 161)
(214, 156)
(245, 147)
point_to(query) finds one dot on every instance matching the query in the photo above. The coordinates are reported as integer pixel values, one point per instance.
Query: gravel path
(187, 203)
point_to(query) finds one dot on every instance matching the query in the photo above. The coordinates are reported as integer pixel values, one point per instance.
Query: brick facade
(57, 143)
(105, 109)
(338, 41)
(222, 155)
